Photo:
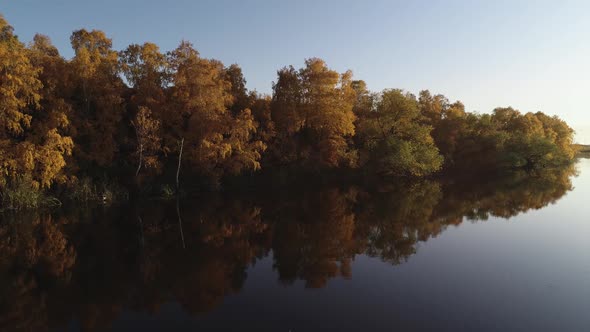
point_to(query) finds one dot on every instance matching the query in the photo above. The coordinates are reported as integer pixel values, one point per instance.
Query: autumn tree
(448, 130)
(561, 134)
(394, 140)
(313, 112)
(258, 104)
(20, 83)
(532, 140)
(146, 71)
(19, 97)
(432, 107)
(148, 139)
(285, 113)
(50, 126)
(216, 141)
(328, 99)
(97, 99)
(504, 139)
(364, 99)
(32, 117)
(239, 92)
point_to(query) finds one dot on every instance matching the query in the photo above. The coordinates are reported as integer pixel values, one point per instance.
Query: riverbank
(582, 151)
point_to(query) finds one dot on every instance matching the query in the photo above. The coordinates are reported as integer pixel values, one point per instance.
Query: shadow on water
(91, 264)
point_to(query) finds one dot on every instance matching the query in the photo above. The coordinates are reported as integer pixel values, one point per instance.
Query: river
(508, 253)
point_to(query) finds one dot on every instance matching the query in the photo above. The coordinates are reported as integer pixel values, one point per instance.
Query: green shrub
(23, 194)
(85, 190)
(112, 192)
(82, 190)
(167, 192)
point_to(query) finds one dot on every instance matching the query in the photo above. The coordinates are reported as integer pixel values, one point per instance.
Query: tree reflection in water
(90, 264)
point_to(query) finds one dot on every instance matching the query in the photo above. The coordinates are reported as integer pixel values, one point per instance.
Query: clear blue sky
(532, 55)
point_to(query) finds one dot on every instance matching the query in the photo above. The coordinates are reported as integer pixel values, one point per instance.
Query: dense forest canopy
(166, 117)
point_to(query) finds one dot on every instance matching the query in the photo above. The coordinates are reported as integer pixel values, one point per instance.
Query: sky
(531, 55)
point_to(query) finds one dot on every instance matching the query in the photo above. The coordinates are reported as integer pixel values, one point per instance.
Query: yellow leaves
(233, 149)
(311, 118)
(16, 160)
(98, 105)
(317, 103)
(19, 87)
(50, 158)
(25, 152)
(42, 163)
(144, 67)
(147, 131)
(245, 153)
(93, 49)
(217, 140)
(328, 99)
(225, 150)
(61, 120)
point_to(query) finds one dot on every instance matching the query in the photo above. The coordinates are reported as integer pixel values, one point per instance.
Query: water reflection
(89, 265)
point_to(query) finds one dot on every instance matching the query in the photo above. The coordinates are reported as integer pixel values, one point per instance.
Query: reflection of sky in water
(530, 272)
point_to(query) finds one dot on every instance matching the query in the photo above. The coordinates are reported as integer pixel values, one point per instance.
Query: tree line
(148, 115)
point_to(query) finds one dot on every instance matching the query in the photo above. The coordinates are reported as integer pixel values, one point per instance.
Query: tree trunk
(140, 159)
(180, 222)
(179, 160)
(141, 230)
(85, 96)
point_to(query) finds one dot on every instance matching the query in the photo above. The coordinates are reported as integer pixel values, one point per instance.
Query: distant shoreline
(582, 150)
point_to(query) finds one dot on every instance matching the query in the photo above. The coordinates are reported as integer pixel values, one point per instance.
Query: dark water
(510, 253)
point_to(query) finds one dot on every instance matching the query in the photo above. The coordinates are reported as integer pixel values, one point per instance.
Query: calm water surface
(503, 254)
